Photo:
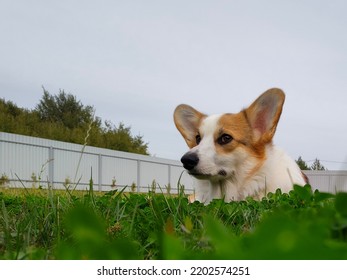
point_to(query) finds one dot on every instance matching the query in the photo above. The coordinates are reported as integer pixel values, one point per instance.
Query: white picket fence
(33, 162)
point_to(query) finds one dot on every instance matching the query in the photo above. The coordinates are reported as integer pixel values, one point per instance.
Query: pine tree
(302, 164)
(316, 165)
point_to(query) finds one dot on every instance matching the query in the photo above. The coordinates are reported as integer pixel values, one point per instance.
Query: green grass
(60, 225)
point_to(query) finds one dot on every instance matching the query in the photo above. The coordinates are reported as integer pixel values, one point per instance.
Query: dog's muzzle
(190, 160)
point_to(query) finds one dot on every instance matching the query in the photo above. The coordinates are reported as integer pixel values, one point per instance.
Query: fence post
(138, 175)
(169, 176)
(51, 166)
(99, 172)
(330, 186)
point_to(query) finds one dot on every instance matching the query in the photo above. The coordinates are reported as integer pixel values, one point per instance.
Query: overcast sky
(135, 61)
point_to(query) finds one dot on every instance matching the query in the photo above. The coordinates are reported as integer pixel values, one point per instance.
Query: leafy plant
(42, 224)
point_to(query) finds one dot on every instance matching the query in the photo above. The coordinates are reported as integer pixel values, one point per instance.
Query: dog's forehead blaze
(209, 125)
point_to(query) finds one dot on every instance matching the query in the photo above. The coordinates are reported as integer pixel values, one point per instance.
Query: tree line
(316, 165)
(63, 117)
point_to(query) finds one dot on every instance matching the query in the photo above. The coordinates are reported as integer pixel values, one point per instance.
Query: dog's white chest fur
(279, 171)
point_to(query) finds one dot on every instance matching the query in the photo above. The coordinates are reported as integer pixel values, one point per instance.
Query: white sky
(135, 61)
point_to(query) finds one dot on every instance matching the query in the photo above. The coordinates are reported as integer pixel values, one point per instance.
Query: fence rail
(32, 162)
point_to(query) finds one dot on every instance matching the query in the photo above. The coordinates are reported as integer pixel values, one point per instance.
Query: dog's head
(222, 144)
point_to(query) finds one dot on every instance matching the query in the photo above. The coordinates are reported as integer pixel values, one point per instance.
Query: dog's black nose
(190, 160)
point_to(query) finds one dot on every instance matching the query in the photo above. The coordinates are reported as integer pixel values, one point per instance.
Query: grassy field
(46, 224)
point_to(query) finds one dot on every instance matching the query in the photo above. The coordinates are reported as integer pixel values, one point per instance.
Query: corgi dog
(232, 155)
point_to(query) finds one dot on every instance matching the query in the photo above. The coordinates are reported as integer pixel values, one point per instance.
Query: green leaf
(188, 223)
(304, 193)
(221, 238)
(341, 203)
(322, 196)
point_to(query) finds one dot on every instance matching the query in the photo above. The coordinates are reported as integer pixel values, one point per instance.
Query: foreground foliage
(50, 225)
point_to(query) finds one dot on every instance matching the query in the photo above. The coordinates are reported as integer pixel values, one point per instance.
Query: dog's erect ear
(264, 114)
(187, 121)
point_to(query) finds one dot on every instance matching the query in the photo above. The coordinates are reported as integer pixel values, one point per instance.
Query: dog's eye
(224, 139)
(197, 139)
